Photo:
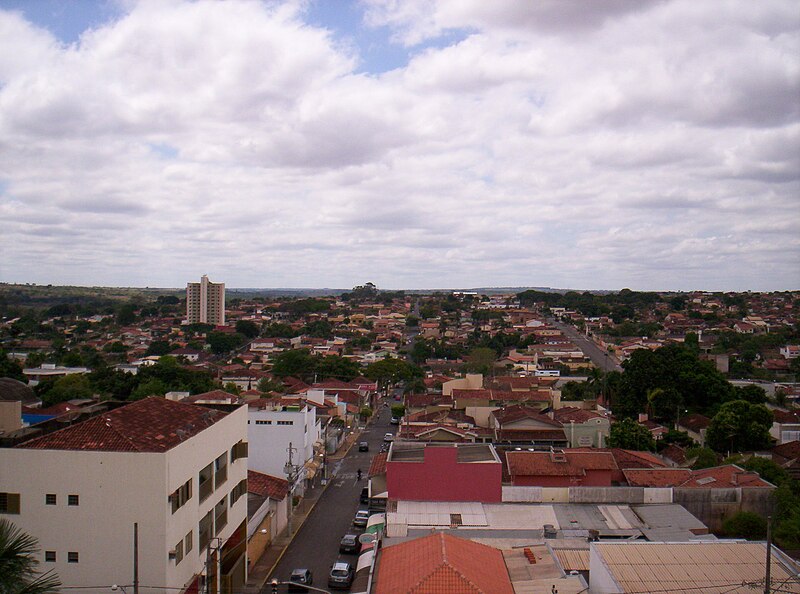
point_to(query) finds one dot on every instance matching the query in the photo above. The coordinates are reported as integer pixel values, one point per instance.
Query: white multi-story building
(173, 473)
(205, 302)
(271, 429)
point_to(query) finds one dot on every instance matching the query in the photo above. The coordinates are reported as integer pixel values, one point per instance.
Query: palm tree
(18, 573)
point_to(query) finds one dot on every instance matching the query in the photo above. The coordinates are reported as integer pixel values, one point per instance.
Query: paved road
(590, 349)
(316, 545)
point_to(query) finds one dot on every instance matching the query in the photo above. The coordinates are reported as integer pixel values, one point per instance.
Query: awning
(376, 523)
(365, 560)
(311, 469)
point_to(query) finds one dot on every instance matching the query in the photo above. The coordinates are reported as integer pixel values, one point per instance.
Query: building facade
(205, 302)
(174, 474)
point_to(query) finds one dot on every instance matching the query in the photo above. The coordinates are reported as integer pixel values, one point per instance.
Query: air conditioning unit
(172, 553)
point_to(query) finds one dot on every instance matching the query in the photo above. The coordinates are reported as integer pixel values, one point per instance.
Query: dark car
(350, 544)
(299, 579)
(363, 446)
(341, 575)
(395, 421)
(364, 498)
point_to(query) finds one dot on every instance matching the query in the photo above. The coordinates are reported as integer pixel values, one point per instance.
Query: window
(239, 490)
(221, 469)
(205, 484)
(50, 499)
(285, 422)
(204, 529)
(73, 500)
(181, 495)
(50, 556)
(220, 516)
(179, 552)
(187, 542)
(9, 503)
(263, 422)
(72, 557)
(239, 450)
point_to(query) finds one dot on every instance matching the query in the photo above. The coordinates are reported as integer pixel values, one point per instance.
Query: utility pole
(325, 454)
(291, 475)
(767, 588)
(135, 558)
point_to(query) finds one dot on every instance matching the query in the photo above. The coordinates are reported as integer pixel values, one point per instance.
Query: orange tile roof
(267, 485)
(154, 424)
(442, 564)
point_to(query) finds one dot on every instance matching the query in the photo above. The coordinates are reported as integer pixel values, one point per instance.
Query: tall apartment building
(205, 302)
(176, 471)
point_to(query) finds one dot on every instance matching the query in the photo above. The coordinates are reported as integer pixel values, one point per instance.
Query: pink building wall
(442, 478)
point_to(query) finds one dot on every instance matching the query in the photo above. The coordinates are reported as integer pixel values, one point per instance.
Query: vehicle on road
(341, 575)
(360, 521)
(363, 446)
(364, 495)
(388, 437)
(395, 421)
(350, 544)
(299, 579)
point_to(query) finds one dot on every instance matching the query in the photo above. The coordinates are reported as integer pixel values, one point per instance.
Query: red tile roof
(267, 485)
(509, 414)
(572, 413)
(656, 477)
(718, 477)
(149, 425)
(217, 395)
(378, 465)
(788, 451)
(546, 464)
(786, 416)
(442, 564)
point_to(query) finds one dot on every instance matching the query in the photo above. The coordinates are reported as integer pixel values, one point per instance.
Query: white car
(388, 437)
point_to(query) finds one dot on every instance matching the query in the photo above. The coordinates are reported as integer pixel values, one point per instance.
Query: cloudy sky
(650, 144)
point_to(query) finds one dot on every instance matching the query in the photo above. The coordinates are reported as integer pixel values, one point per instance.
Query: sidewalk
(262, 569)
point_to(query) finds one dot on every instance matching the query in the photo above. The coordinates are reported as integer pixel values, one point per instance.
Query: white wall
(600, 578)
(269, 442)
(116, 490)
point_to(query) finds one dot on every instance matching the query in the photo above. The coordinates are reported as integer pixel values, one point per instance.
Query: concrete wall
(712, 506)
(442, 478)
(629, 495)
(473, 381)
(269, 442)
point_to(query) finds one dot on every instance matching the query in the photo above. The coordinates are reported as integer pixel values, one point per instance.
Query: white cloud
(642, 144)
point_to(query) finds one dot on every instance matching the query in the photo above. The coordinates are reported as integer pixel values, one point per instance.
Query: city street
(316, 544)
(590, 349)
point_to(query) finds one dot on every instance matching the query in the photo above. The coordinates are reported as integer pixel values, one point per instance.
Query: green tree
(232, 388)
(740, 426)
(247, 328)
(365, 412)
(296, 362)
(333, 366)
(158, 348)
(481, 360)
(18, 564)
(752, 393)
(152, 387)
(745, 524)
(629, 435)
(224, 342)
(10, 368)
(389, 371)
(69, 387)
(126, 315)
(767, 470)
(318, 329)
(703, 457)
(398, 410)
(267, 384)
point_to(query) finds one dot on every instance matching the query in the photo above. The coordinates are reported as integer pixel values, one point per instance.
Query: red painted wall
(441, 478)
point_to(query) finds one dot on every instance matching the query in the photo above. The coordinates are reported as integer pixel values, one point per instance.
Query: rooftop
(151, 425)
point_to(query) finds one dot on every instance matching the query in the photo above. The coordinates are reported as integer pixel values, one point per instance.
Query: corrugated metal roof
(679, 567)
(573, 559)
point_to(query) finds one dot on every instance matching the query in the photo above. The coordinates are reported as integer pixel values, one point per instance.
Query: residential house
(695, 425)
(583, 428)
(522, 425)
(785, 425)
(560, 468)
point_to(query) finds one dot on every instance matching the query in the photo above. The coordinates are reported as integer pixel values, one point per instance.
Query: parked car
(364, 495)
(360, 521)
(388, 437)
(363, 446)
(299, 579)
(395, 421)
(350, 544)
(341, 575)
